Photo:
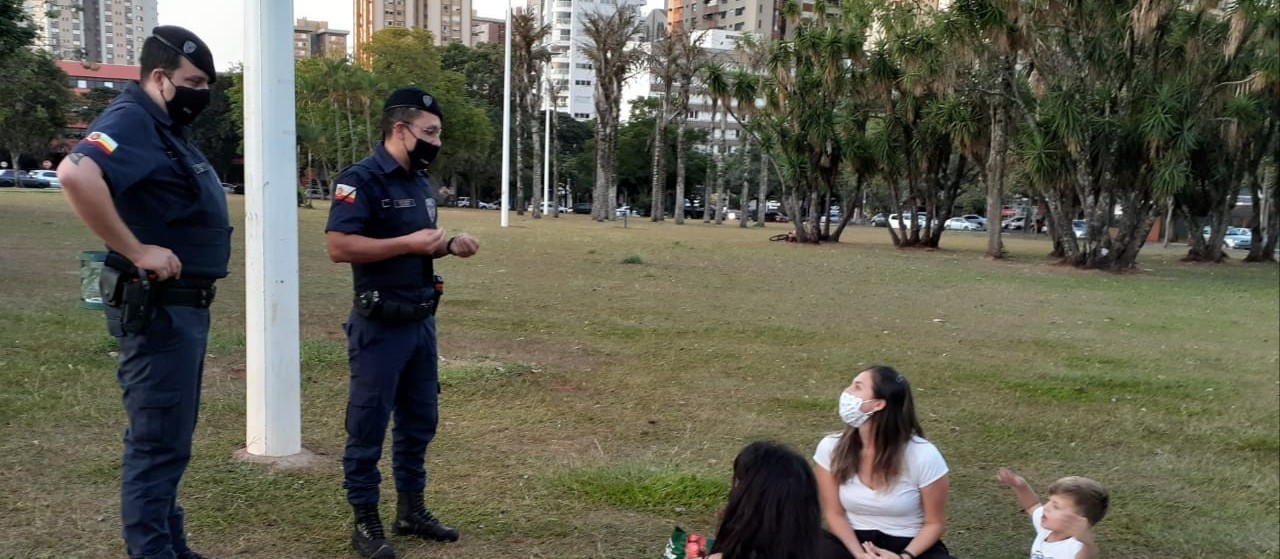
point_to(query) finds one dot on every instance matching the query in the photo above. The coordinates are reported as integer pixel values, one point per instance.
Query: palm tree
(720, 91)
(689, 58)
(606, 48)
(662, 65)
(528, 56)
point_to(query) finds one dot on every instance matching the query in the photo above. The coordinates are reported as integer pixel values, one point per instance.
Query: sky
(221, 22)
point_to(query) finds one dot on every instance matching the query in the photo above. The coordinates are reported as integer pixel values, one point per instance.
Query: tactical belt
(374, 306)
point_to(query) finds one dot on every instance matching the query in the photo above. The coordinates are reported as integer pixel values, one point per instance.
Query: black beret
(414, 98)
(188, 45)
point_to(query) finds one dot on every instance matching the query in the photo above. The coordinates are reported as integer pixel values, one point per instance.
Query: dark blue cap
(415, 98)
(189, 46)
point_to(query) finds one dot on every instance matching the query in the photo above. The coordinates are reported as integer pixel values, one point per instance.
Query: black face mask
(187, 104)
(422, 154)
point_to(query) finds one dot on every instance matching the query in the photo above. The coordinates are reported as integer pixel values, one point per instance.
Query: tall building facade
(488, 30)
(102, 31)
(315, 38)
(449, 21)
(570, 71)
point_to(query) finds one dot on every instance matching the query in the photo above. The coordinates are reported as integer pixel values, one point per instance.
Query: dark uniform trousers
(160, 373)
(393, 371)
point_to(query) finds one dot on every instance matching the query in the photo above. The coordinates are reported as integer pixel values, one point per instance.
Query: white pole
(506, 124)
(546, 155)
(273, 415)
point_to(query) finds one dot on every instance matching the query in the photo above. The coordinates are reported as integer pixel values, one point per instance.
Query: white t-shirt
(896, 511)
(1040, 549)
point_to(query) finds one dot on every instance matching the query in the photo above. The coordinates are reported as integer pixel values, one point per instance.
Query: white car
(961, 224)
(489, 205)
(625, 211)
(895, 222)
(1238, 238)
(51, 176)
(978, 220)
(1080, 227)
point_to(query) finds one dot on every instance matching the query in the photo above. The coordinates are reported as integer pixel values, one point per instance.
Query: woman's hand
(874, 552)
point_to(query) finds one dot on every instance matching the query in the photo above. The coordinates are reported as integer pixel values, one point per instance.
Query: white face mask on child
(851, 410)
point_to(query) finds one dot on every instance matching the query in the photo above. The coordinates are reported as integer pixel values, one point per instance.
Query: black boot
(413, 518)
(368, 538)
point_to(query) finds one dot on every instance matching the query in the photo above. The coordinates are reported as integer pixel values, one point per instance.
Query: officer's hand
(464, 246)
(159, 261)
(426, 241)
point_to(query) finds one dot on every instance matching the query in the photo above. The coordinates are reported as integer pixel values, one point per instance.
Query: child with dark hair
(1064, 525)
(773, 510)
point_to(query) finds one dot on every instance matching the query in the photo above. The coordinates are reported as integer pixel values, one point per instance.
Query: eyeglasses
(430, 131)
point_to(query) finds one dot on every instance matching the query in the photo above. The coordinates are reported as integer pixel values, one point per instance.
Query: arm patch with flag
(345, 193)
(100, 141)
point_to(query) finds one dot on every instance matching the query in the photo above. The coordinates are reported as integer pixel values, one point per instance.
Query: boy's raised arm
(1026, 496)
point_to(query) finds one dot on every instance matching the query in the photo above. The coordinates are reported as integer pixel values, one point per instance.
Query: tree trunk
(997, 160)
(721, 178)
(659, 169)
(1265, 222)
(681, 159)
(762, 193)
(746, 184)
(519, 166)
(706, 192)
(351, 132)
(600, 194)
(535, 136)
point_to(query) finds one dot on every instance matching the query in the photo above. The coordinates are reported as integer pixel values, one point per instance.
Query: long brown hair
(892, 428)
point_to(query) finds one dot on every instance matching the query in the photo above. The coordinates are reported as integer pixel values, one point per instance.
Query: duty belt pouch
(111, 285)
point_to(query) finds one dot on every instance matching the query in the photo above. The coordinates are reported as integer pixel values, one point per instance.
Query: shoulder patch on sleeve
(345, 193)
(100, 141)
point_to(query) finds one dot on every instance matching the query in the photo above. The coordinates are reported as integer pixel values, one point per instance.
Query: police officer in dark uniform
(141, 186)
(383, 222)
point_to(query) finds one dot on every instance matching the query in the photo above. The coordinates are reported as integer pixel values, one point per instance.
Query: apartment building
(315, 38)
(449, 21)
(102, 31)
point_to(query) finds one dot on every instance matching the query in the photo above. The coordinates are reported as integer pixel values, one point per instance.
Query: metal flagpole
(273, 414)
(506, 124)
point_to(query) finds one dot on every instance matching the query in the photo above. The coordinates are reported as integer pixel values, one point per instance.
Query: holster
(125, 287)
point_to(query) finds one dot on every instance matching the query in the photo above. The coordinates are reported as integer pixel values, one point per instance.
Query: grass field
(598, 381)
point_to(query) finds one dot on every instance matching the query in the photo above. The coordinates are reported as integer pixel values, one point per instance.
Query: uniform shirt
(164, 188)
(1041, 549)
(378, 198)
(897, 510)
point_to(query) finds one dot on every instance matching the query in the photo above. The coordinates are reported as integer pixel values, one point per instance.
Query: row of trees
(1114, 112)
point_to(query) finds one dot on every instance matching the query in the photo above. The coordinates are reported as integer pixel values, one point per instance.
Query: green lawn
(590, 404)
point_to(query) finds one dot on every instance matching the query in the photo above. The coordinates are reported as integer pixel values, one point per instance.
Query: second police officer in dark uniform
(383, 222)
(150, 195)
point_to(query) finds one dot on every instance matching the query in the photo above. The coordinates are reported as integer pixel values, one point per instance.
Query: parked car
(48, 175)
(896, 223)
(489, 205)
(9, 177)
(546, 208)
(1014, 223)
(961, 224)
(582, 208)
(978, 220)
(1080, 227)
(1238, 238)
(624, 211)
(463, 202)
(879, 221)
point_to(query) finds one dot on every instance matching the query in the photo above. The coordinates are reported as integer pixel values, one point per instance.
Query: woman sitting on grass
(773, 510)
(883, 486)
